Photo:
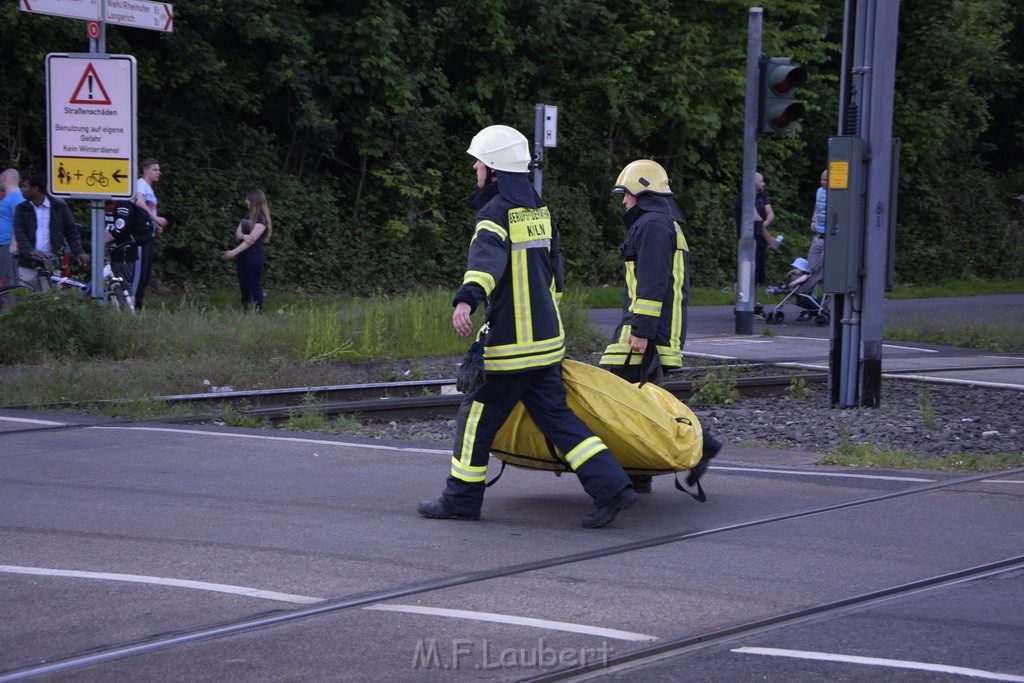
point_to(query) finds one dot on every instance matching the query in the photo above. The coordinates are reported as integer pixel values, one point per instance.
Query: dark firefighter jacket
(515, 266)
(657, 283)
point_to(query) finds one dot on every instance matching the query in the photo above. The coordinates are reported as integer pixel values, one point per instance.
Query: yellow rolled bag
(647, 429)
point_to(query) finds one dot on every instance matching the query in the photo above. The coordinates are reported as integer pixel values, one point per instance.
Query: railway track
(435, 398)
(399, 400)
(65, 663)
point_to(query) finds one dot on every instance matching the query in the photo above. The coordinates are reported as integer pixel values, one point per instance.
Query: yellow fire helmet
(502, 148)
(643, 175)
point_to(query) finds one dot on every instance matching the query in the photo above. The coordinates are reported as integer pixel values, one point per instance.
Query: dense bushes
(355, 118)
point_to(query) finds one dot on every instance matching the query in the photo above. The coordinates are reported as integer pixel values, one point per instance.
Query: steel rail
(340, 604)
(667, 650)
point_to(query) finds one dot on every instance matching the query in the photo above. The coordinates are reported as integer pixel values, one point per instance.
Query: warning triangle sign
(90, 89)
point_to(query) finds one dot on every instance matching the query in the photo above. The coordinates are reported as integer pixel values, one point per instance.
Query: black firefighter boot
(602, 477)
(712, 444)
(459, 500)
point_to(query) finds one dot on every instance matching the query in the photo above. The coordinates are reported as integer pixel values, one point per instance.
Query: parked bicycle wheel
(121, 299)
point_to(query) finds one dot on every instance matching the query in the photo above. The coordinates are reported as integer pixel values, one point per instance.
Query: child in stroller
(799, 288)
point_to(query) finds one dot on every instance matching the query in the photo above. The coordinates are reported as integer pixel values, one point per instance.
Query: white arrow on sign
(155, 16)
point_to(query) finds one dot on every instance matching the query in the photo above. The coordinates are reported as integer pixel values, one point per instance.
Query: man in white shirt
(145, 198)
(41, 226)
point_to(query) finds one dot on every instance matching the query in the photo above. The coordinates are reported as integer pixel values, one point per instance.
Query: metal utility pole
(746, 250)
(865, 125)
(545, 134)
(98, 46)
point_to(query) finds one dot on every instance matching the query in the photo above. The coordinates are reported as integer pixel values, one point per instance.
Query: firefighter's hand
(84, 259)
(638, 344)
(461, 320)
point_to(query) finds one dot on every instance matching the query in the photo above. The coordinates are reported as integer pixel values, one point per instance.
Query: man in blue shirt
(817, 250)
(9, 181)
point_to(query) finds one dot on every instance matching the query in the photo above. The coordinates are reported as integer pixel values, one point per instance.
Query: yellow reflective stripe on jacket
(524, 362)
(583, 452)
(493, 227)
(631, 279)
(618, 350)
(678, 279)
(518, 357)
(461, 467)
(478, 277)
(680, 238)
(646, 307)
(521, 295)
(670, 356)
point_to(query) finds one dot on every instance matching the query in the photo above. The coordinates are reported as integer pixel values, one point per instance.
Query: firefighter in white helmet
(651, 334)
(515, 268)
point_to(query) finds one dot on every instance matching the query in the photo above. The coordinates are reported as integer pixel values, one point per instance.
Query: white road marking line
(161, 581)
(934, 379)
(804, 473)
(518, 621)
(319, 442)
(4, 418)
(876, 661)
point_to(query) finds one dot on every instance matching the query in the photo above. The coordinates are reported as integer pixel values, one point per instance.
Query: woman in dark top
(252, 233)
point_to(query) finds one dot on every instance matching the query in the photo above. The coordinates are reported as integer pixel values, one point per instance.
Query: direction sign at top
(155, 16)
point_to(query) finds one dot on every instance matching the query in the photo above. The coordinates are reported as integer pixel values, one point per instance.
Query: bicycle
(116, 287)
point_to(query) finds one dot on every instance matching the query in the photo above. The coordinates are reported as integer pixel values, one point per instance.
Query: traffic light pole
(746, 250)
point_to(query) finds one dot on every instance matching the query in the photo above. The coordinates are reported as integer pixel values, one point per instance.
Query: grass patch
(717, 387)
(866, 455)
(995, 337)
(957, 287)
(92, 353)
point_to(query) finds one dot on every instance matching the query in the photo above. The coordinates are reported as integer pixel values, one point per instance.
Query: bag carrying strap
(497, 477)
(649, 364)
(699, 496)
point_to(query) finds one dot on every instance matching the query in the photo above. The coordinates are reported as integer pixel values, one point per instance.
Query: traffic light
(777, 105)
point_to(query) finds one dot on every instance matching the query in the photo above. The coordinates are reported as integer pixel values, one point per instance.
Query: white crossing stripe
(518, 621)
(877, 661)
(161, 581)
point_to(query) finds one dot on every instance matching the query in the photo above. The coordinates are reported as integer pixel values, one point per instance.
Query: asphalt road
(137, 534)
(710, 321)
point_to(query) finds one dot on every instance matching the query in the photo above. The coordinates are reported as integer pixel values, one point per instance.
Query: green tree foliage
(355, 116)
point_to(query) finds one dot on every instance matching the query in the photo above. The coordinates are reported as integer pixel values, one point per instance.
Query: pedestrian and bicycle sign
(91, 120)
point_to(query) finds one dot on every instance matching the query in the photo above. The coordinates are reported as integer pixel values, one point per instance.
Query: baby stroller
(802, 296)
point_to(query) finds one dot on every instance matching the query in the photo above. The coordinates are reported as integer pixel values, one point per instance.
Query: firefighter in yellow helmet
(652, 331)
(515, 269)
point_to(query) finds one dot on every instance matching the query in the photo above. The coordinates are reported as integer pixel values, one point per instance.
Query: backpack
(138, 226)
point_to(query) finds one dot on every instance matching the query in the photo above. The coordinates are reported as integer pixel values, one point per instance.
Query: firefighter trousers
(484, 412)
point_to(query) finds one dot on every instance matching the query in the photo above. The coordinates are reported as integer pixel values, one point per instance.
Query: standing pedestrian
(817, 250)
(252, 233)
(10, 179)
(514, 265)
(41, 226)
(764, 215)
(656, 288)
(145, 198)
